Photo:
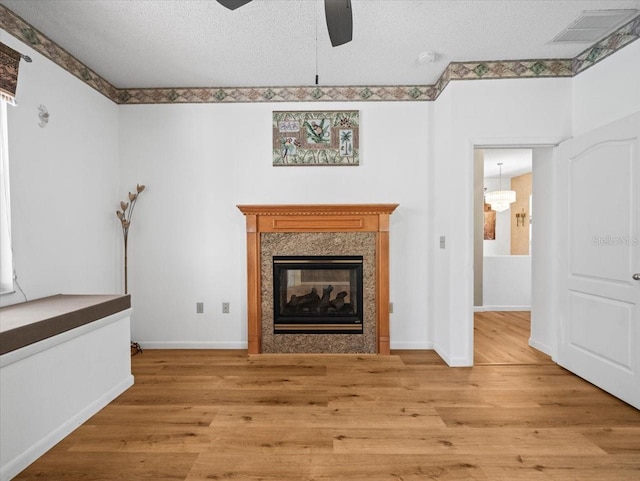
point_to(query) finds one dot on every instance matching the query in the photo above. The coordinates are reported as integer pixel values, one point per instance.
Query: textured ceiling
(167, 43)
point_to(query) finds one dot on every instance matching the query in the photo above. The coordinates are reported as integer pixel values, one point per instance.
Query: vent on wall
(594, 25)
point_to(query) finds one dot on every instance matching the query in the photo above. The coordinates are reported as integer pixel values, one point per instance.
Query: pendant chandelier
(500, 199)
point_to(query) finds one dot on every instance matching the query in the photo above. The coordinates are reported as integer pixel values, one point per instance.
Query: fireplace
(343, 232)
(317, 295)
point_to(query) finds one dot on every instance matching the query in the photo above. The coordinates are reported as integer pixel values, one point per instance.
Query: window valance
(9, 63)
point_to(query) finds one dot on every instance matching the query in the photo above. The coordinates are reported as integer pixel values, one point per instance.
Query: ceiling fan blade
(339, 21)
(233, 4)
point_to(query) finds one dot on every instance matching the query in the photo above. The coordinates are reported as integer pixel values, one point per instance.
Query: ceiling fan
(337, 12)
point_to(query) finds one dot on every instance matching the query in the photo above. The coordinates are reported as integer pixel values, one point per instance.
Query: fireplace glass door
(317, 294)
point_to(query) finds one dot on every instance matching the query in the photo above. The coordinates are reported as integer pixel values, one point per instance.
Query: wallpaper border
(483, 70)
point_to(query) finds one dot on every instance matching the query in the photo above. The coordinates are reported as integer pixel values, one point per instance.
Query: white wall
(442, 215)
(64, 182)
(187, 241)
(484, 113)
(608, 91)
(507, 283)
(199, 161)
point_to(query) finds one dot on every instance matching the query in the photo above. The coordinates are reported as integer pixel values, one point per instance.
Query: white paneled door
(599, 214)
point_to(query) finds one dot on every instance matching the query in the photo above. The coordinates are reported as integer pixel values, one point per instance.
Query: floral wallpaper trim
(605, 47)
(23, 31)
(507, 69)
(275, 94)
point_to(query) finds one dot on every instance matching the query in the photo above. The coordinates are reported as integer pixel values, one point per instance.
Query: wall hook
(43, 115)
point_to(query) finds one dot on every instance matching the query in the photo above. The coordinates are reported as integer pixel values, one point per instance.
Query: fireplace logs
(311, 302)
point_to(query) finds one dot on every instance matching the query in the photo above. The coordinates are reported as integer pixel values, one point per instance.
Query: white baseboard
(503, 308)
(19, 463)
(541, 347)
(478, 309)
(453, 361)
(460, 362)
(193, 344)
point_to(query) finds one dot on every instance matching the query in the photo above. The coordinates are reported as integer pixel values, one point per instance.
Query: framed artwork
(316, 138)
(489, 223)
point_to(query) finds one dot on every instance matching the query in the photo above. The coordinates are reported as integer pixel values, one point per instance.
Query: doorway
(503, 263)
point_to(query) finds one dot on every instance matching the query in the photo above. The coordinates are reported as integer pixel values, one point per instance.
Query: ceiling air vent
(594, 25)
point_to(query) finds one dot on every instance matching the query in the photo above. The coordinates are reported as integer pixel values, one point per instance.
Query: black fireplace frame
(317, 322)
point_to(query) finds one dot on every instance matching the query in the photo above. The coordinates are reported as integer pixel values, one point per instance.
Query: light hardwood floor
(503, 338)
(223, 415)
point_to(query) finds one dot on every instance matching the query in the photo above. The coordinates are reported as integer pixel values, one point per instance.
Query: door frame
(513, 143)
(480, 252)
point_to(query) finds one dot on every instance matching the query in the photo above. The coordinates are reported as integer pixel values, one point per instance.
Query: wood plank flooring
(224, 415)
(503, 338)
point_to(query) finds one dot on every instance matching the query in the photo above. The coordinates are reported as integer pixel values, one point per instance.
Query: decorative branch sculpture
(126, 215)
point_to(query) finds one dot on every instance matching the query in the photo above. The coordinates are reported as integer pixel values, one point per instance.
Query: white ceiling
(199, 43)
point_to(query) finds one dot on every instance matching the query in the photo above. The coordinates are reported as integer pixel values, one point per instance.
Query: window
(6, 258)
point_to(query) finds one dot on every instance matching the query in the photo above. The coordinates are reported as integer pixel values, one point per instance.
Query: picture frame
(489, 223)
(316, 138)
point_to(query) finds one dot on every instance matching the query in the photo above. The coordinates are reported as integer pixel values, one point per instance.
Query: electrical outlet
(225, 308)
(199, 307)
(391, 308)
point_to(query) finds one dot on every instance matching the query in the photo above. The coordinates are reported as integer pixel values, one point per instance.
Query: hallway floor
(503, 338)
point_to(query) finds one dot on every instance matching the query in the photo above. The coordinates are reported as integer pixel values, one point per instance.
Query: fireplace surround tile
(319, 243)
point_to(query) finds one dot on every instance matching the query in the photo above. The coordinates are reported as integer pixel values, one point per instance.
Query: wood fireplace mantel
(317, 218)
